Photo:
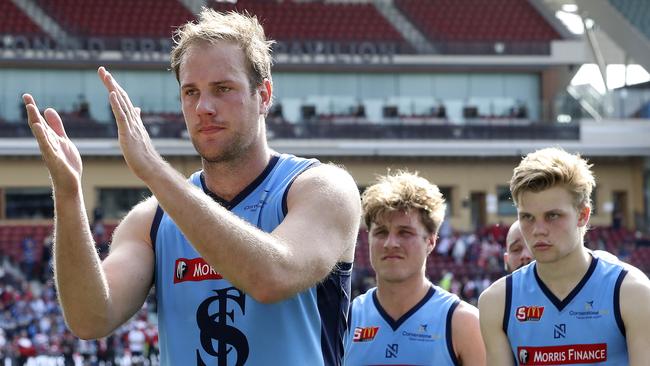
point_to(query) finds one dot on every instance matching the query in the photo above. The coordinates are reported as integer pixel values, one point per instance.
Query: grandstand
(458, 90)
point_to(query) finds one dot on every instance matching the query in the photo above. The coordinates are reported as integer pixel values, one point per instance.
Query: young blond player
(569, 306)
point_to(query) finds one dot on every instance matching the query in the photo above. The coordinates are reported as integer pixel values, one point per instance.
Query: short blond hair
(550, 167)
(401, 192)
(241, 29)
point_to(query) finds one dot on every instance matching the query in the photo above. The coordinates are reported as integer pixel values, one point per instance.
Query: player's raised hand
(135, 142)
(59, 153)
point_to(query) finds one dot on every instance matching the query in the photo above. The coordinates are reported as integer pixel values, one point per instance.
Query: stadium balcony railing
(315, 129)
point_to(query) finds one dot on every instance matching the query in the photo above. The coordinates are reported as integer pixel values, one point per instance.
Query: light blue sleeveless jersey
(584, 328)
(422, 336)
(204, 320)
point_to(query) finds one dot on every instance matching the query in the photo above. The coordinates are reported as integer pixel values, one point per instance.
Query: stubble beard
(232, 151)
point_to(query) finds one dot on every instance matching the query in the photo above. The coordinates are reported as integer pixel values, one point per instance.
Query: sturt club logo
(181, 269)
(529, 313)
(214, 327)
(523, 356)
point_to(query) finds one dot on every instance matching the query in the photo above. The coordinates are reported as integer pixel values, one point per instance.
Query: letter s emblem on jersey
(214, 327)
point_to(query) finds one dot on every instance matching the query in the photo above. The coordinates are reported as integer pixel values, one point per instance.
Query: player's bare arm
(466, 334)
(320, 228)
(129, 267)
(634, 297)
(491, 306)
(84, 289)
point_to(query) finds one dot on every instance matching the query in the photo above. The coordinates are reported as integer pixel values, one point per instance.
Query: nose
(205, 105)
(539, 228)
(391, 241)
(526, 257)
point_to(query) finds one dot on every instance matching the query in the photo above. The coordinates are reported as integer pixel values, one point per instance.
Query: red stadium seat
(478, 20)
(14, 21)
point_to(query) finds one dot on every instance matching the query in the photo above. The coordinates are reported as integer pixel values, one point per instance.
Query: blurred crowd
(32, 329)
(33, 332)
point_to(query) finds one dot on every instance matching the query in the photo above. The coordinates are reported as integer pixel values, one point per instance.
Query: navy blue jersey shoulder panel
(286, 192)
(617, 301)
(448, 335)
(153, 232)
(246, 191)
(561, 304)
(333, 295)
(396, 323)
(506, 311)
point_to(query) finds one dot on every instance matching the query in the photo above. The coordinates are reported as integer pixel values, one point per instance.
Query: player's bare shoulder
(137, 223)
(493, 295)
(327, 186)
(635, 283)
(329, 180)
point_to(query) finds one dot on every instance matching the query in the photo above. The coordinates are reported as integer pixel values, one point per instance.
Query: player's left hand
(137, 148)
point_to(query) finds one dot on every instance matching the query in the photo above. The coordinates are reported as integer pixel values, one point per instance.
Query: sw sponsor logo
(562, 355)
(529, 313)
(365, 334)
(196, 269)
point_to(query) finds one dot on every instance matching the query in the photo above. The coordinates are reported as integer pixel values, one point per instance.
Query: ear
(266, 96)
(583, 215)
(431, 242)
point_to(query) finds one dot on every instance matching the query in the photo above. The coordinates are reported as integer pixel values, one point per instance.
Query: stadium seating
(13, 235)
(291, 21)
(118, 18)
(14, 21)
(478, 20)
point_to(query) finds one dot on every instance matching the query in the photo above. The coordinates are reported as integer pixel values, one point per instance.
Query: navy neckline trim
(561, 304)
(246, 191)
(395, 324)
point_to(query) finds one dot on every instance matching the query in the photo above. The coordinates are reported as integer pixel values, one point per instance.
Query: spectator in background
(25, 348)
(68, 346)
(516, 254)
(29, 261)
(106, 351)
(459, 250)
(137, 341)
(46, 257)
(83, 108)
